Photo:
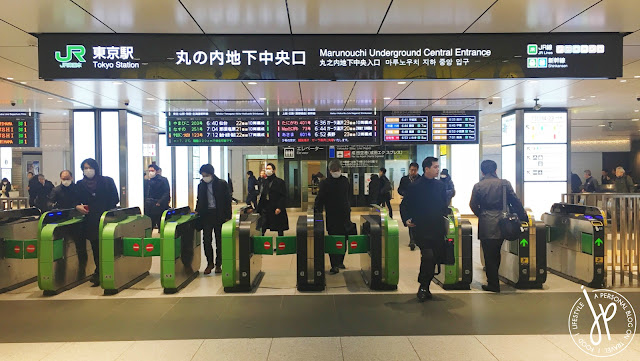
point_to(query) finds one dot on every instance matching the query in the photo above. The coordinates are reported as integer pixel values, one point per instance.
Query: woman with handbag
(333, 196)
(491, 201)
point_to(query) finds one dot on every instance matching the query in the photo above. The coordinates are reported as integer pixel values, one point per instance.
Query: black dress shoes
(491, 288)
(424, 294)
(334, 270)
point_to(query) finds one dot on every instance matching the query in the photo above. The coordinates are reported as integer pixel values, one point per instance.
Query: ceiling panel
(220, 90)
(483, 88)
(141, 16)
(24, 55)
(430, 89)
(9, 69)
(433, 16)
(325, 92)
(15, 37)
(240, 16)
(608, 15)
(524, 16)
(165, 89)
(337, 16)
(632, 39)
(36, 16)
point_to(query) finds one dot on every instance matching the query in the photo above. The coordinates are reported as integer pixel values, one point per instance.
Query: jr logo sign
(77, 51)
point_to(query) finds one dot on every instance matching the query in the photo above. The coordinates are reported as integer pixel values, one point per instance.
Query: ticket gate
(125, 249)
(524, 261)
(576, 243)
(378, 248)
(241, 266)
(310, 241)
(458, 274)
(63, 252)
(180, 249)
(18, 248)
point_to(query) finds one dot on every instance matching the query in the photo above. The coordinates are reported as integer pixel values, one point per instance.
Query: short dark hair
(66, 170)
(41, 176)
(250, 173)
(587, 171)
(92, 163)
(383, 170)
(273, 166)
(414, 164)
(488, 167)
(30, 173)
(428, 162)
(155, 167)
(207, 168)
(334, 166)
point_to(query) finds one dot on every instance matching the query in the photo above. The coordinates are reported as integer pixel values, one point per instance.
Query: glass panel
(135, 166)
(110, 143)
(84, 137)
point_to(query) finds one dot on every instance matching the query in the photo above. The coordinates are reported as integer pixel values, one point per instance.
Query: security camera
(537, 106)
(638, 98)
(126, 102)
(491, 102)
(13, 103)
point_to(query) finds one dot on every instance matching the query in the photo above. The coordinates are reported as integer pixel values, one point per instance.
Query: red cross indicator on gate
(16, 249)
(267, 245)
(339, 244)
(149, 247)
(31, 248)
(281, 245)
(354, 245)
(136, 247)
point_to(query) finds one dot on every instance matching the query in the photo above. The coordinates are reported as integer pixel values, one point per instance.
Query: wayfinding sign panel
(329, 57)
(218, 128)
(19, 129)
(340, 127)
(431, 127)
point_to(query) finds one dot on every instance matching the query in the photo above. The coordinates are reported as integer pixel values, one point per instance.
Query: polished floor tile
(466, 348)
(306, 348)
(247, 349)
(99, 351)
(378, 348)
(27, 351)
(523, 348)
(169, 350)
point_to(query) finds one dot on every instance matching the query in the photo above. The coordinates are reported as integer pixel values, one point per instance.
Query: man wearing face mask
(156, 195)
(64, 195)
(333, 196)
(97, 194)
(214, 207)
(403, 188)
(273, 203)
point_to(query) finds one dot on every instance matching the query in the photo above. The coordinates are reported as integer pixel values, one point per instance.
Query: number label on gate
(524, 260)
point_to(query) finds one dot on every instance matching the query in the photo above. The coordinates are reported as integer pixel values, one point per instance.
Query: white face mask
(207, 179)
(152, 174)
(336, 174)
(66, 183)
(268, 172)
(89, 173)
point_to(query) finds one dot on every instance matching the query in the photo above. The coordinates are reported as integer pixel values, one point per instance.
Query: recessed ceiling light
(583, 99)
(402, 82)
(533, 81)
(635, 119)
(496, 97)
(23, 82)
(601, 125)
(637, 110)
(636, 76)
(623, 80)
(9, 78)
(387, 98)
(59, 101)
(592, 96)
(50, 98)
(263, 98)
(117, 83)
(252, 83)
(151, 98)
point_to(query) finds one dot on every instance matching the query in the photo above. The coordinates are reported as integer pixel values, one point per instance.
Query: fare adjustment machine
(18, 248)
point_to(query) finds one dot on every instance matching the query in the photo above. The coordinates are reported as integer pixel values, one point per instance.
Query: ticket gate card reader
(457, 275)
(380, 263)
(126, 248)
(310, 252)
(63, 252)
(18, 248)
(576, 243)
(180, 249)
(241, 263)
(524, 261)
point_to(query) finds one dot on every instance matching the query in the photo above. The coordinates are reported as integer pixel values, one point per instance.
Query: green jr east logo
(77, 51)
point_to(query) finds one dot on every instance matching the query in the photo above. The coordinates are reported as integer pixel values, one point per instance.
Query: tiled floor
(471, 348)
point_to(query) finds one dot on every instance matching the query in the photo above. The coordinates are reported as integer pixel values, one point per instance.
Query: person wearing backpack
(488, 205)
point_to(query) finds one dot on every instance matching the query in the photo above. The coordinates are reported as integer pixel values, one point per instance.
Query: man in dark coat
(576, 182)
(42, 194)
(273, 203)
(333, 196)
(448, 183)
(253, 190)
(487, 204)
(426, 207)
(97, 194)
(384, 197)
(214, 207)
(157, 194)
(403, 188)
(33, 185)
(374, 189)
(65, 194)
(590, 183)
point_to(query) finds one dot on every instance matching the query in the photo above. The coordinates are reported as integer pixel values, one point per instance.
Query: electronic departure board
(218, 128)
(409, 128)
(454, 129)
(19, 129)
(327, 129)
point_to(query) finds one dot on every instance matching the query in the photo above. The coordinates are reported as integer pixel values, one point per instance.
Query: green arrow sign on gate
(598, 242)
(524, 243)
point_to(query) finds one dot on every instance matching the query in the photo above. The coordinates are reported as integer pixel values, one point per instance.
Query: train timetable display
(218, 130)
(454, 129)
(409, 128)
(19, 129)
(320, 129)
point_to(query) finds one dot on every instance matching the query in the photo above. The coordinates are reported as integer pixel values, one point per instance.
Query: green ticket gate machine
(241, 264)
(18, 248)
(524, 261)
(126, 248)
(311, 248)
(458, 274)
(378, 249)
(180, 249)
(63, 252)
(576, 243)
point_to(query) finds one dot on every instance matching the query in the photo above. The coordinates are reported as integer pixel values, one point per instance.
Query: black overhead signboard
(459, 127)
(336, 127)
(329, 57)
(218, 128)
(19, 129)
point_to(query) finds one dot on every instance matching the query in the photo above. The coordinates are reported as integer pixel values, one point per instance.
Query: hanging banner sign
(329, 57)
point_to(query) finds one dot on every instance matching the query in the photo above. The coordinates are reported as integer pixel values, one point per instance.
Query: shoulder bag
(509, 222)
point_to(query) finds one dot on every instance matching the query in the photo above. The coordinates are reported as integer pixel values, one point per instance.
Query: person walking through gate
(273, 203)
(64, 195)
(97, 194)
(426, 207)
(451, 190)
(157, 194)
(384, 197)
(333, 196)
(487, 204)
(214, 208)
(253, 190)
(403, 188)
